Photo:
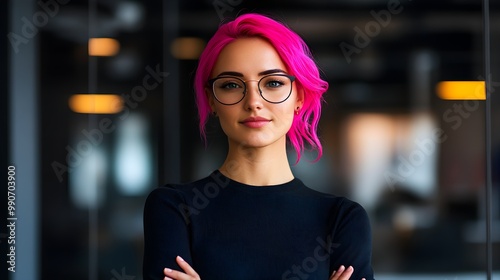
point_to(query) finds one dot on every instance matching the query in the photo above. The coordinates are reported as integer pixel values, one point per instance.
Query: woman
(251, 218)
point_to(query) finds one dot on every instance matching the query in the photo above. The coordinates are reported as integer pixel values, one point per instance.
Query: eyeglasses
(275, 88)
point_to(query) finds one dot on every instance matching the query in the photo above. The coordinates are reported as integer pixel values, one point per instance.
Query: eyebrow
(238, 74)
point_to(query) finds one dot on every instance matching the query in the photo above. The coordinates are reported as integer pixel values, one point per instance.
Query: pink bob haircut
(295, 55)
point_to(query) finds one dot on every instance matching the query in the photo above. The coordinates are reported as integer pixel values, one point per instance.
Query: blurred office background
(413, 158)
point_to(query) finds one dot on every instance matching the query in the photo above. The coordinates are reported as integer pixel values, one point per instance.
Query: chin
(257, 141)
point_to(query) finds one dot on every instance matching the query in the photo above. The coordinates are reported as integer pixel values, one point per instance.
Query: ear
(300, 98)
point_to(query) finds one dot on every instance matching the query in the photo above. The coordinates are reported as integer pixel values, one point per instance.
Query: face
(253, 122)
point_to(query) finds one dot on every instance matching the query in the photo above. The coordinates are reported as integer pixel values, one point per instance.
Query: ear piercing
(297, 110)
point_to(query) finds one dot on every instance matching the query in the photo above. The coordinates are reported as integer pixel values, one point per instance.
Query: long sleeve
(352, 241)
(166, 233)
(229, 230)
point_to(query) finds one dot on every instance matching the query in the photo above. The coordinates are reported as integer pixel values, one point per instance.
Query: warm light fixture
(187, 47)
(96, 103)
(103, 47)
(461, 90)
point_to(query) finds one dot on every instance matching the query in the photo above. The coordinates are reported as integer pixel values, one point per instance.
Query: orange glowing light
(103, 47)
(96, 103)
(187, 47)
(461, 90)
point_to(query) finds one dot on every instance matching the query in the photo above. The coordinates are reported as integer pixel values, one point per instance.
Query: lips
(255, 122)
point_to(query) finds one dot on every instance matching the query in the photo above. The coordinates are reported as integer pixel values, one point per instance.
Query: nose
(253, 99)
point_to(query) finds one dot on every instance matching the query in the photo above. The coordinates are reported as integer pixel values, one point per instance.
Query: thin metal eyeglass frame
(211, 83)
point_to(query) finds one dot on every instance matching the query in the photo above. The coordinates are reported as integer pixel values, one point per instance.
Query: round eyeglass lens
(275, 88)
(229, 90)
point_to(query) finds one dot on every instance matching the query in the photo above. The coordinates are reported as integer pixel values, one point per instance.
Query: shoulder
(176, 193)
(342, 208)
(353, 210)
(351, 215)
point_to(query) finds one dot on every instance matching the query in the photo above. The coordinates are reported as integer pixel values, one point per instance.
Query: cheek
(285, 116)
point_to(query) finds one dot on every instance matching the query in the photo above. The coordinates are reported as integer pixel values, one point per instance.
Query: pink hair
(295, 55)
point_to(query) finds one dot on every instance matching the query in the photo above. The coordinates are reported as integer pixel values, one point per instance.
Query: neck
(261, 166)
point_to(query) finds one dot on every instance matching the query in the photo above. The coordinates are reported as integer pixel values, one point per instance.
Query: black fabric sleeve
(352, 241)
(166, 233)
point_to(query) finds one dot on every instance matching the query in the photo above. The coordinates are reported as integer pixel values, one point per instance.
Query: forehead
(248, 56)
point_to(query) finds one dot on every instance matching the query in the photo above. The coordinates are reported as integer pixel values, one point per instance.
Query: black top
(229, 230)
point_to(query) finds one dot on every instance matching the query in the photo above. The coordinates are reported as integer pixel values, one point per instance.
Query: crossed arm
(161, 216)
(189, 273)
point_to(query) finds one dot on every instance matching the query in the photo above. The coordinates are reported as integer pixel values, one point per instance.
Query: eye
(230, 85)
(274, 84)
